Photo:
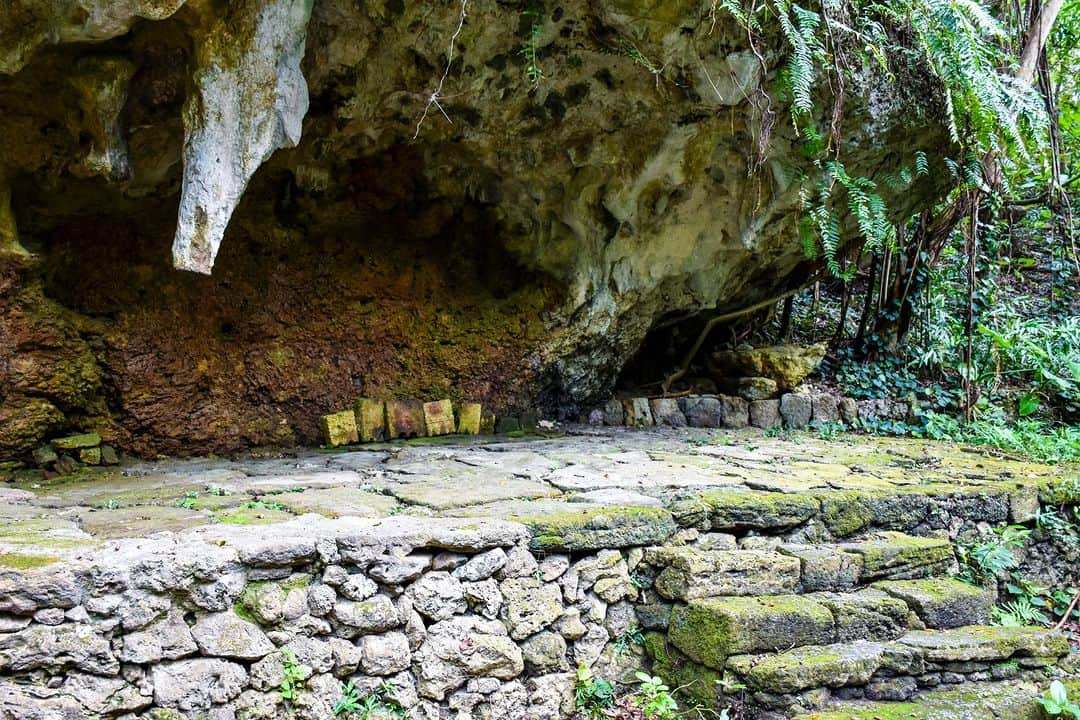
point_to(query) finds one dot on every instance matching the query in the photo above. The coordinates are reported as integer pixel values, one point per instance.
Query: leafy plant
(592, 695)
(1019, 612)
(1056, 701)
(655, 697)
(375, 705)
(530, 49)
(992, 557)
(295, 676)
(631, 636)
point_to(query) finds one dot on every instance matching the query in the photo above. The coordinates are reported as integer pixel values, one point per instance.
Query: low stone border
(795, 410)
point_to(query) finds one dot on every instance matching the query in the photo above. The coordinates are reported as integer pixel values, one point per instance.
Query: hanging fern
(959, 41)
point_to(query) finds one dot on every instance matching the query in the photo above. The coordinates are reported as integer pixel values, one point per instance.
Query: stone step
(943, 603)
(972, 701)
(887, 555)
(896, 670)
(691, 574)
(710, 629)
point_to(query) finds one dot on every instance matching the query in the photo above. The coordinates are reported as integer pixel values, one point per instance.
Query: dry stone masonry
(460, 599)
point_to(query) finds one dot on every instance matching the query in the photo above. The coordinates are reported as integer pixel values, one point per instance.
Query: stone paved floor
(510, 478)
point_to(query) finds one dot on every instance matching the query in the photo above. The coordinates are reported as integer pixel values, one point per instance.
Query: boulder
(787, 365)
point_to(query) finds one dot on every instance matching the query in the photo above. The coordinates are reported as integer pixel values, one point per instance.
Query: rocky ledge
(715, 561)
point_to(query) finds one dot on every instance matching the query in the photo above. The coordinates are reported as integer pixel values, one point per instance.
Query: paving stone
(468, 486)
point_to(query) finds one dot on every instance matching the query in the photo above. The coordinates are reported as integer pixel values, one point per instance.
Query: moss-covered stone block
(370, 419)
(598, 528)
(690, 574)
(711, 630)
(405, 419)
(339, 429)
(970, 701)
(469, 418)
(844, 513)
(487, 423)
(758, 510)
(808, 667)
(90, 456)
(981, 643)
(77, 442)
(439, 417)
(865, 615)
(894, 555)
(694, 681)
(943, 603)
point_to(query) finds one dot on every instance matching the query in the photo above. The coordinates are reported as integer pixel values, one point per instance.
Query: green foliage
(592, 695)
(960, 43)
(827, 430)
(531, 47)
(376, 705)
(1031, 438)
(1019, 612)
(991, 557)
(262, 505)
(629, 637)
(295, 676)
(655, 698)
(1056, 701)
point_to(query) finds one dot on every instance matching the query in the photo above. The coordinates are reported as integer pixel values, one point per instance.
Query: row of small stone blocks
(66, 454)
(378, 420)
(793, 410)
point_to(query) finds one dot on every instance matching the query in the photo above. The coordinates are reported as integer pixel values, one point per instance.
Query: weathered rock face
(479, 236)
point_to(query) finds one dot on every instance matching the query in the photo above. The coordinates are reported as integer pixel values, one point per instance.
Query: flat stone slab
(471, 486)
(894, 555)
(139, 521)
(986, 701)
(943, 603)
(336, 502)
(987, 643)
(690, 574)
(560, 526)
(810, 667)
